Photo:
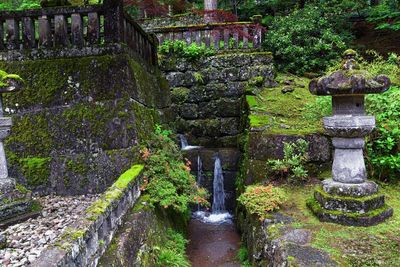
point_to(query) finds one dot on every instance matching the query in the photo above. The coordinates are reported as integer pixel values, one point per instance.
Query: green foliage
(383, 146)
(169, 181)
(260, 199)
(35, 170)
(182, 49)
(305, 41)
(386, 15)
(19, 5)
(291, 167)
(172, 253)
(243, 257)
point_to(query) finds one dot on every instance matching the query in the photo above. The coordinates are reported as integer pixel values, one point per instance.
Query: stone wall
(177, 20)
(207, 95)
(78, 121)
(83, 244)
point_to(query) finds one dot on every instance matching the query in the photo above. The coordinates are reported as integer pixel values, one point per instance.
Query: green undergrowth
(173, 251)
(349, 246)
(114, 192)
(285, 113)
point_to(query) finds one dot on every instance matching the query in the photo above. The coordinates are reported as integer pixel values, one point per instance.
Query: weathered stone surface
(349, 218)
(263, 147)
(270, 243)
(348, 204)
(349, 126)
(216, 85)
(354, 190)
(82, 108)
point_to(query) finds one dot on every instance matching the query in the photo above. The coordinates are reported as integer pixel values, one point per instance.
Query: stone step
(373, 217)
(359, 205)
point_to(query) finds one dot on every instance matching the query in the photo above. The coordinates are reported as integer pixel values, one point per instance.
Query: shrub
(172, 253)
(383, 145)
(260, 199)
(167, 178)
(181, 49)
(304, 41)
(291, 167)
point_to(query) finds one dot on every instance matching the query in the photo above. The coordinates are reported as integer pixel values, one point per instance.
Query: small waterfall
(184, 142)
(218, 205)
(199, 170)
(219, 214)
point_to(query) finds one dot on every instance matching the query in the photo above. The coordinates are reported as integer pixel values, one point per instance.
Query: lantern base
(355, 210)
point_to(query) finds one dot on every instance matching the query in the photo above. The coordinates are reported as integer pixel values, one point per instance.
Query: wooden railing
(220, 36)
(77, 27)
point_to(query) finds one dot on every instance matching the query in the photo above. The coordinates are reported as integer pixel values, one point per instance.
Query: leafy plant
(182, 49)
(383, 145)
(167, 178)
(172, 253)
(260, 199)
(291, 167)
(304, 41)
(386, 15)
(243, 257)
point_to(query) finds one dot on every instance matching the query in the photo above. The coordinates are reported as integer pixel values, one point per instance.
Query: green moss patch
(288, 113)
(350, 246)
(114, 192)
(35, 170)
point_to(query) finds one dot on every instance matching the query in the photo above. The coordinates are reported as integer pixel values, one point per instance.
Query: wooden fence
(77, 27)
(220, 36)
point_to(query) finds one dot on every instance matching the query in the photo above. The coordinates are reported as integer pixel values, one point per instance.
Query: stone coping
(84, 243)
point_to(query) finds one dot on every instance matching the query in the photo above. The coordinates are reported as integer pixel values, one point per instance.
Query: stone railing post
(113, 21)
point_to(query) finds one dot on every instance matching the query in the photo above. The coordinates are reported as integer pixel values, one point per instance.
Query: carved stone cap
(349, 80)
(10, 82)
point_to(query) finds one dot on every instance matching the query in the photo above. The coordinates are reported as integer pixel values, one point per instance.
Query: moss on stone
(22, 189)
(279, 113)
(113, 193)
(180, 94)
(35, 170)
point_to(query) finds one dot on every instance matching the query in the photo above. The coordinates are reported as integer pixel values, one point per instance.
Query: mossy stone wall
(207, 94)
(83, 117)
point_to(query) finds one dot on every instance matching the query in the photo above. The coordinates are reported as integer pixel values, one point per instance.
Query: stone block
(349, 204)
(352, 190)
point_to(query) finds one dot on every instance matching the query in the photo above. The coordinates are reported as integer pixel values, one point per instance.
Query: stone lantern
(349, 198)
(13, 202)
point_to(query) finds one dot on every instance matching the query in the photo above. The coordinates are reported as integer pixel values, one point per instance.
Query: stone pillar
(349, 198)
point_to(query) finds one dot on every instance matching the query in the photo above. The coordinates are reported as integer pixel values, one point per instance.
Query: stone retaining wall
(207, 94)
(79, 119)
(84, 244)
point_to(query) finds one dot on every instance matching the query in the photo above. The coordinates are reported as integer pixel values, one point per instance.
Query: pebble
(28, 239)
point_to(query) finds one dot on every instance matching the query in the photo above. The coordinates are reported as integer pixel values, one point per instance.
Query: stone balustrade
(220, 36)
(75, 27)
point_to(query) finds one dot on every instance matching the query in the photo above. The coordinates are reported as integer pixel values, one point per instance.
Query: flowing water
(185, 145)
(214, 240)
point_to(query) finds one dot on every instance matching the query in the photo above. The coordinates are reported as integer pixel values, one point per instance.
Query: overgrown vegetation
(182, 49)
(243, 257)
(173, 251)
(261, 199)
(168, 180)
(292, 167)
(305, 41)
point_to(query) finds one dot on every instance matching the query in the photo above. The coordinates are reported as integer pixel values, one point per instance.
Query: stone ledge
(84, 245)
(356, 190)
(349, 204)
(351, 219)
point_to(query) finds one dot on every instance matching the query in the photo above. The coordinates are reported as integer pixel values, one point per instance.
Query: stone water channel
(213, 238)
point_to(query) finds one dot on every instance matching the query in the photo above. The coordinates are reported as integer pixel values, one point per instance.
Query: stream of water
(214, 240)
